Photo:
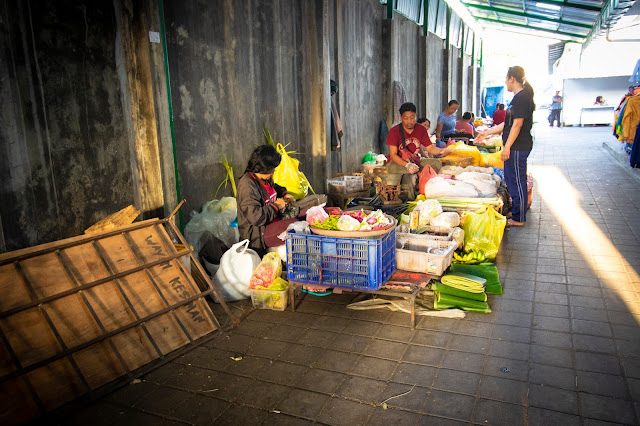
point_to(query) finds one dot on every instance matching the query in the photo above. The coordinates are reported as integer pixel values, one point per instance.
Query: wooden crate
(80, 313)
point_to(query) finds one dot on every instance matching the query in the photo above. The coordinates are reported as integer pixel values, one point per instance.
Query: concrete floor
(562, 345)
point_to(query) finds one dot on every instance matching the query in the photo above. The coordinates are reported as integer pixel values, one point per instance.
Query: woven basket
(457, 161)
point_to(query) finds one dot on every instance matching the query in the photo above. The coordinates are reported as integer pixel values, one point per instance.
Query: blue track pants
(515, 175)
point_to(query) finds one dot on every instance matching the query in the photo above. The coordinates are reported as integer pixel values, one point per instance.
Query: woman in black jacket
(259, 198)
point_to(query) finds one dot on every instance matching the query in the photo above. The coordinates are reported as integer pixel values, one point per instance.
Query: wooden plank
(70, 241)
(116, 220)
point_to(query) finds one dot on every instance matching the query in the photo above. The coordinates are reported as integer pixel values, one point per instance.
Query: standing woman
(517, 141)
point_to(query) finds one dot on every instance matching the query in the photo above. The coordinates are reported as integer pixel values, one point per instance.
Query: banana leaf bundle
(488, 272)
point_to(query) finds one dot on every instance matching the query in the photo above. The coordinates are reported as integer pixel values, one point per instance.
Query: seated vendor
(407, 141)
(464, 127)
(259, 198)
(446, 126)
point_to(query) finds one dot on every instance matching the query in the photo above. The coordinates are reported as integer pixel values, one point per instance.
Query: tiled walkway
(562, 345)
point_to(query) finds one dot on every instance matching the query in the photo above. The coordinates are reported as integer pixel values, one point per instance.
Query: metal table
(412, 281)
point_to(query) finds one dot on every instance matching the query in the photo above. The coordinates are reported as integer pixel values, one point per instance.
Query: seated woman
(260, 199)
(464, 128)
(600, 101)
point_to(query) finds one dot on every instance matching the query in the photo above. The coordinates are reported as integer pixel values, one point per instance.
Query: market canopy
(570, 20)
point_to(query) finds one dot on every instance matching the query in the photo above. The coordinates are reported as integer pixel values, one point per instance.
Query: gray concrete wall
(86, 127)
(434, 67)
(64, 157)
(236, 67)
(358, 68)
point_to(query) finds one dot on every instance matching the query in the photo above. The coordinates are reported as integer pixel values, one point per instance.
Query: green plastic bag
(288, 174)
(483, 231)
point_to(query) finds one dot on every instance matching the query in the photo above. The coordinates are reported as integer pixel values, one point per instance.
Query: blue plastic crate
(354, 263)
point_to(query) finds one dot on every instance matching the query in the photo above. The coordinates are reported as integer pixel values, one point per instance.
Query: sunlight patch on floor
(595, 247)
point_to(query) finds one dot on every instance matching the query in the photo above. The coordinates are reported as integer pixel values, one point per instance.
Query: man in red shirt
(499, 114)
(408, 143)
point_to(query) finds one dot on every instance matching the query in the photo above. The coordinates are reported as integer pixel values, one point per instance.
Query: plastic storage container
(345, 184)
(432, 233)
(413, 254)
(270, 299)
(353, 263)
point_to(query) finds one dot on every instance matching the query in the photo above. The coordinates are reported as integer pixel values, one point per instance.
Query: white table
(596, 114)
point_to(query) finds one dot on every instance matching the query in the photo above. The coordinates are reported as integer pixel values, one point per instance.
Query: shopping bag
(493, 159)
(483, 231)
(460, 149)
(267, 271)
(288, 174)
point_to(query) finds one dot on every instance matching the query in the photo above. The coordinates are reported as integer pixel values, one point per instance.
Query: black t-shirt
(521, 107)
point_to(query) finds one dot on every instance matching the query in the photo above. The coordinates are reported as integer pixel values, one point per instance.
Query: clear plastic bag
(316, 214)
(446, 220)
(348, 223)
(267, 271)
(215, 218)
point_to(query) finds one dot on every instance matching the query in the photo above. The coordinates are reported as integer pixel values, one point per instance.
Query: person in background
(259, 198)
(499, 114)
(427, 125)
(446, 126)
(556, 108)
(517, 140)
(464, 126)
(600, 101)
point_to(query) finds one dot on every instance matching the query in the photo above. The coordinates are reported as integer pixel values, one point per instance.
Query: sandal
(511, 222)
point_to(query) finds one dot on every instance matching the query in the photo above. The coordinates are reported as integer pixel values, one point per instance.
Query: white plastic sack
(485, 188)
(446, 220)
(473, 175)
(300, 227)
(216, 217)
(236, 266)
(439, 187)
(348, 223)
(458, 237)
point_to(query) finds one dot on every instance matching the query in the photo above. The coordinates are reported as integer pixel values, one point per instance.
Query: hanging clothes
(634, 161)
(635, 75)
(399, 97)
(630, 118)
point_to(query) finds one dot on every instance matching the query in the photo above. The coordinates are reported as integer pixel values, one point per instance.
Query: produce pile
(355, 221)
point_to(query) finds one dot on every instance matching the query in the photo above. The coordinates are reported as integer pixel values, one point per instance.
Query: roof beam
(498, 21)
(570, 4)
(527, 15)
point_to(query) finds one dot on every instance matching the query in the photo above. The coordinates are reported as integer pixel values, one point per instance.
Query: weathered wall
(454, 78)
(434, 66)
(236, 67)
(356, 51)
(85, 107)
(64, 159)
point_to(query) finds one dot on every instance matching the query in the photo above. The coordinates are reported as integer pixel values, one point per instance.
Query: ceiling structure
(567, 20)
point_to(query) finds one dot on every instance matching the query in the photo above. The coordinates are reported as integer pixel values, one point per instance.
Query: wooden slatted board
(36, 373)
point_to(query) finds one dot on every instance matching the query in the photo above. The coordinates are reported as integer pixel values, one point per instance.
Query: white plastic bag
(216, 217)
(299, 227)
(458, 237)
(428, 209)
(485, 188)
(439, 187)
(446, 220)
(348, 223)
(236, 267)
(316, 214)
(473, 175)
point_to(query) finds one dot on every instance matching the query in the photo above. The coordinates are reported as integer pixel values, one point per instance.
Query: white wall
(582, 92)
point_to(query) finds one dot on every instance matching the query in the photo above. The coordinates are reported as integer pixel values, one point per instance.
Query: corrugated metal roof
(569, 20)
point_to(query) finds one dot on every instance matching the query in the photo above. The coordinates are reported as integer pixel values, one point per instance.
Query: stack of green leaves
(463, 291)
(488, 272)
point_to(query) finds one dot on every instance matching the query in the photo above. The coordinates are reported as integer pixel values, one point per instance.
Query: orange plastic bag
(425, 175)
